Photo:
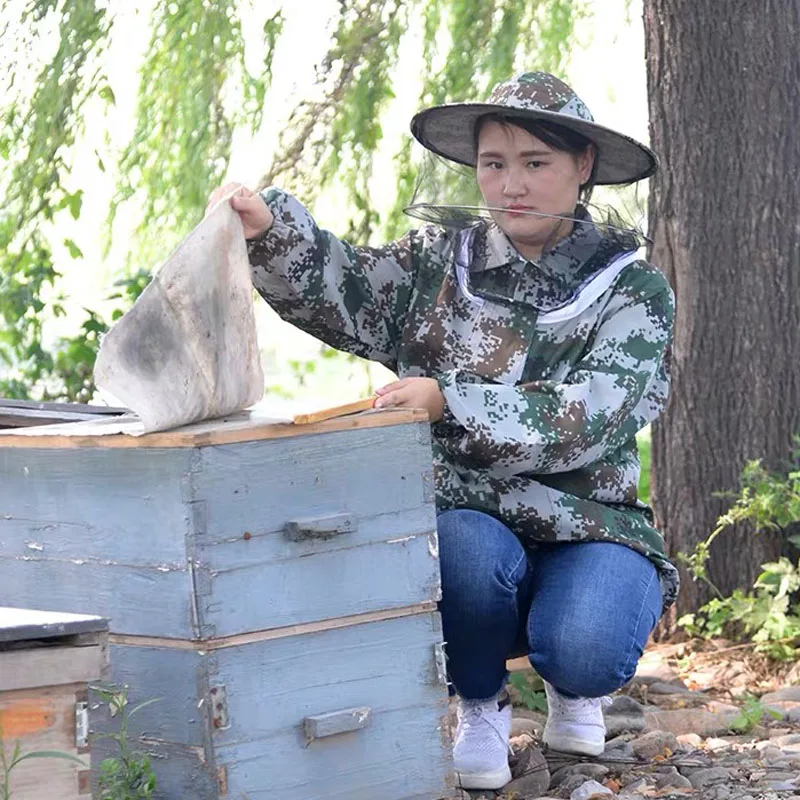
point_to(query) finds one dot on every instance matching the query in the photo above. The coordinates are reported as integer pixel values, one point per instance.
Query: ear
(586, 162)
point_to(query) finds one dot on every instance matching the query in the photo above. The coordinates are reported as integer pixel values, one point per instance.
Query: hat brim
(448, 131)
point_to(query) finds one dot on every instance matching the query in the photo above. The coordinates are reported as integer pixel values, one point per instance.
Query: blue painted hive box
(273, 585)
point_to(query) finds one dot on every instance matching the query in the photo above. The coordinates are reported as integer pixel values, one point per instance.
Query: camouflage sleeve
(352, 298)
(617, 387)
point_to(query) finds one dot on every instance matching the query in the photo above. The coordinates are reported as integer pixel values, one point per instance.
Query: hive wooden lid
(18, 624)
(243, 426)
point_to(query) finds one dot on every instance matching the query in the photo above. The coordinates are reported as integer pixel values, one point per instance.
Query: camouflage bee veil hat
(448, 130)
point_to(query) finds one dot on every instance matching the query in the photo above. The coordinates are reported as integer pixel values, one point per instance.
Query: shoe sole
(496, 779)
(569, 744)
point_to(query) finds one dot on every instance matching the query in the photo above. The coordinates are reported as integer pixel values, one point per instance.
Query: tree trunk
(724, 98)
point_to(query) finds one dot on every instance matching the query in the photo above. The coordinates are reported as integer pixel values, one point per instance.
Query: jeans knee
(580, 665)
(476, 550)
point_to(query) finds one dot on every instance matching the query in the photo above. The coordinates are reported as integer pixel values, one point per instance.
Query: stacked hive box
(47, 661)
(274, 585)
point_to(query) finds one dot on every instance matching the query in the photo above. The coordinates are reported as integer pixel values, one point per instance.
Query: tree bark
(724, 99)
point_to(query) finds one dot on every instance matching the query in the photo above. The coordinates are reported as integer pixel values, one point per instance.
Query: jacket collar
(547, 283)
(562, 263)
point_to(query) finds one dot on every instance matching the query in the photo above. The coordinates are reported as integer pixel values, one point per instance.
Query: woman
(535, 341)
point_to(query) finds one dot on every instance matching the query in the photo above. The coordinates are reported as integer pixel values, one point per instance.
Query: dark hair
(553, 135)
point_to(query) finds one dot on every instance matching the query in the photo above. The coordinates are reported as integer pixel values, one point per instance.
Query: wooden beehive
(274, 585)
(47, 661)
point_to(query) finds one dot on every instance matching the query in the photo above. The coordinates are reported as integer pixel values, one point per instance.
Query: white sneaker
(480, 753)
(574, 724)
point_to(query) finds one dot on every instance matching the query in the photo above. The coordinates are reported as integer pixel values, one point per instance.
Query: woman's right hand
(254, 213)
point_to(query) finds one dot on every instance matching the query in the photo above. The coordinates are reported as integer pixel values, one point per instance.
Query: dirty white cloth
(187, 349)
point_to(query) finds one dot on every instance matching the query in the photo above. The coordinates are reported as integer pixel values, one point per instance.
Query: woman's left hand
(413, 393)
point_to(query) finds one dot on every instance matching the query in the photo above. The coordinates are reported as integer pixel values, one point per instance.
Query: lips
(518, 209)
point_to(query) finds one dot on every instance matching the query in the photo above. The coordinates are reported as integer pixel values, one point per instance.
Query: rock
(589, 789)
(570, 784)
(770, 752)
(709, 776)
(588, 770)
(784, 701)
(624, 714)
(690, 720)
(692, 739)
(782, 786)
(786, 739)
(521, 742)
(623, 704)
(530, 774)
(671, 687)
(793, 716)
(655, 743)
(618, 747)
(675, 780)
(524, 725)
(721, 792)
(777, 775)
(652, 667)
(790, 693)
(715, 745)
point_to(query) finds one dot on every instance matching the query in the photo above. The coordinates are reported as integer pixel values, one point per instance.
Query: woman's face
(518, 172)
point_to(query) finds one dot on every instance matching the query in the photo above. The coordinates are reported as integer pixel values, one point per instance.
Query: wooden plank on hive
(240, 427)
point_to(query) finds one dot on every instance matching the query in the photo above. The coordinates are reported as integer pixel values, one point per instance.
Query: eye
(493, 165)
(535, 164)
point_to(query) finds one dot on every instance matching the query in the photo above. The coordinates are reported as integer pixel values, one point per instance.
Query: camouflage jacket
(548, 370)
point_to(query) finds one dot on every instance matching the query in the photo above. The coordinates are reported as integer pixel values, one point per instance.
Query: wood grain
(50, 666)
(334, 411)
(241, 427)
(43, 719)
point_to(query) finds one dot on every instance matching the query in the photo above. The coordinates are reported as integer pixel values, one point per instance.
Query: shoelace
(577, 706)
(473, 713)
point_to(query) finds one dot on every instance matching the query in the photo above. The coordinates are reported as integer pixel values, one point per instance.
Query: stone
(530, 774)
(523, 741)
(524, 725)
(786, 739)
(671, 687)
(652, 667)
(570, 784)
(785, 701)
(675, 780)
(588, 770)
(782, 786)
(655, 743)
(721, 792)
(690, 720)
(589, 789)
(618, 748)
(789, 693)
(692, 739)
(771, 752)
(709, 776)
(624, 714)
(715, 745)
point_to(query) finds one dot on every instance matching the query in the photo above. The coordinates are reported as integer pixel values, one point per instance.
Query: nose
(515, 183)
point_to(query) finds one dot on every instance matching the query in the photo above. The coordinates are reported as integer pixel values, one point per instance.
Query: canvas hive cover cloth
(187, 349)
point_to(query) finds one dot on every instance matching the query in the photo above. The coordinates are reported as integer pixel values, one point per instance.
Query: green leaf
(74, 250)
(51, 754)
(107, 93)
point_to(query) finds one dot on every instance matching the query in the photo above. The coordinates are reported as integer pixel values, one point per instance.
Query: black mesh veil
(446, 194)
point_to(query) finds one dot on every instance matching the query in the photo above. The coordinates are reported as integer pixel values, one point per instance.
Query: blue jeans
(582, 611)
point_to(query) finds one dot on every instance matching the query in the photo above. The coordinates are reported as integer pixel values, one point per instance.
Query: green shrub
(770, 614)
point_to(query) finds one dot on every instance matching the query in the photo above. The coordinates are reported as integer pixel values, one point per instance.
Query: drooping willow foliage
(195, 90)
